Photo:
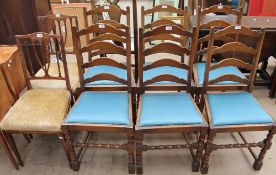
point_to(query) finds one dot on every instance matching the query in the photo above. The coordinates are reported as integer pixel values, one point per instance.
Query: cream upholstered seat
(53, 71)
(38, 110)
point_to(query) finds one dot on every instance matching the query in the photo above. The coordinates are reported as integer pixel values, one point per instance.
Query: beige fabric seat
(38, 110)
(53, 71)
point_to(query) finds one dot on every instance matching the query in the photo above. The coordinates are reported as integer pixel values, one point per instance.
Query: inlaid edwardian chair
(105, 104)
(59, 24)
(39, 111)
(236, 110)
(203, 26)
(167, 112)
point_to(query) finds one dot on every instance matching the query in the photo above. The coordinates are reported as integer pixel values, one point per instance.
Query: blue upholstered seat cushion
(92, 71)
(200, 68)
(100, 108)
(236, 109)
(180, 73)
(168, 109)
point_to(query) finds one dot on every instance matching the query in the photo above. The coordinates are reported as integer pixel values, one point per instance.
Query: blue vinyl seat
(200, 68)
(178, 72)
(236, 109)
(100, 108)
(168, 109)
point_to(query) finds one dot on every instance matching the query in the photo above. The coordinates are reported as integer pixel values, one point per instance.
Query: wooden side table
(12, 70)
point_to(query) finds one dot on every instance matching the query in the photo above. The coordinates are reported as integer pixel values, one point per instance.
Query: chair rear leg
(268, 142)
(199, 152)
(73, 160)
(130, 149)
(139, 151)
(208, 150)
(5, 145)
(14, 148)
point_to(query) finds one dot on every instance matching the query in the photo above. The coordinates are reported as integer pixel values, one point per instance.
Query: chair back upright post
(58, 25)
(42, 47)
(99, 46)
(243, 83)
(169, 48)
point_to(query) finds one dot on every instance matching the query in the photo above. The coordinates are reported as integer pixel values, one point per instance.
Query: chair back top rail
(108, 37)
(115, 24)
(161, 22)
(101, 28)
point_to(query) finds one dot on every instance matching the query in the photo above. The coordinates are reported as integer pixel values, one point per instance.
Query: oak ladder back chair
(182, 14)
(38, 110)
(111, 9)
(60, 24)
(237, 110)
(98, 94)
(167, 112)
(202, 41)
